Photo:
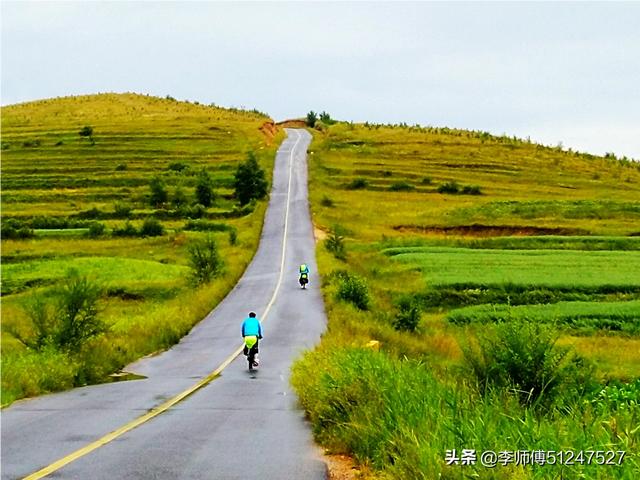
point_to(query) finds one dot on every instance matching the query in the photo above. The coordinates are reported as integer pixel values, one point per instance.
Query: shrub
(358, 184)
(151, 228)
(15, 230)
(249, 181)
(401, 187)
(334, 243)
(96, 229)
(523, 356)
(326, 119)
(206, 226)
(311, 119)
(426, 181)
(68, 322)
(159, 195)
(408, 316)
(233, 237)
(178, 166)
(87, 132)
(353, 289)
(122, 210)
(78, 313)
(127, 230)
(205, 260)
(471, 190)
(121, 167)
(179, 197)
(326, 202)
(449, 187)
(204, 189)
(92, 213)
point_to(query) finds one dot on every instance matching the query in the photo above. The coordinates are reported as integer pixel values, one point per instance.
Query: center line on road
(181, 396)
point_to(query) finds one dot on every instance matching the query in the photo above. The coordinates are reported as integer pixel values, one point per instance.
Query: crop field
(457, 267)
(81, 205)
(566, 269)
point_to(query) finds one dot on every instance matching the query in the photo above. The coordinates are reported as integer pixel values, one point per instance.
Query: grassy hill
(482, 293)
(81, 206)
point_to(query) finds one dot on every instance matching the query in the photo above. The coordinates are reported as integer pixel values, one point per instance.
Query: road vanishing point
(199, 413)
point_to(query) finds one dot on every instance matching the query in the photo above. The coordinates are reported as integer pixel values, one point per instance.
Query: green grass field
(57, 183)
(477, 234)
(571, 269)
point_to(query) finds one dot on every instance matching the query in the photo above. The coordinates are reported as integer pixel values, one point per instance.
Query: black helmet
(252, 314)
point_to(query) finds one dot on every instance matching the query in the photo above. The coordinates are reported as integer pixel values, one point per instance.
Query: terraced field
(82, 205)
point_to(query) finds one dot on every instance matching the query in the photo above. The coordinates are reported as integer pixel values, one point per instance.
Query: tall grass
(398, 417)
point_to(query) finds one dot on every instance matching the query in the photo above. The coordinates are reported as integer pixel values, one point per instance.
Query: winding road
(199, 414)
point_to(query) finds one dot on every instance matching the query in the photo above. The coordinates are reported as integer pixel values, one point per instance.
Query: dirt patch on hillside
(318, 234)
(292, 123)
(270, 130)
(342, 467)
(479, 230)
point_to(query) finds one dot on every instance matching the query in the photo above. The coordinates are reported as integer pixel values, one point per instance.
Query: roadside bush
(326, 202)
(151, 228)
(96, 229)
(205, 260)
(77, 313)
(66, 322)
(449, 187)
(353, 288)
(523, 356)
(334, 243)
(408, 316)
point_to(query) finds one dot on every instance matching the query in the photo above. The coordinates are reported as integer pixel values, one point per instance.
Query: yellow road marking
(154, 412)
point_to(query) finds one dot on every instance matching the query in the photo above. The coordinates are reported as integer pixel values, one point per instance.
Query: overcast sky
(557, 72)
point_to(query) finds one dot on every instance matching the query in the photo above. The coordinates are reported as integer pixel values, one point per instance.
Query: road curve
(237, 426)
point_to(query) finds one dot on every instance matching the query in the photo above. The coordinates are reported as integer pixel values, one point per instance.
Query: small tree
(159, 195)
(179, 197)
(408, 316)
(250, 182)
(204, 189)
(78, 313)
(335, 243)
(353, 288)
(87, 132)
(151, 228)
(312, 118)
(326, 118)
(205, 260)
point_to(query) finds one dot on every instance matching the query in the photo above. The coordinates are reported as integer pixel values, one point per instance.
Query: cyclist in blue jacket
(251, 333)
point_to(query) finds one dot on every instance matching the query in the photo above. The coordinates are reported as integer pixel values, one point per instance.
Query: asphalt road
(240, 425)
